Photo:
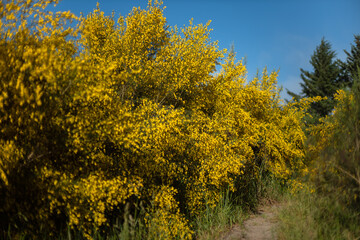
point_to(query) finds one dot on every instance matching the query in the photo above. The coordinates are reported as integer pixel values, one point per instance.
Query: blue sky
(278, 34)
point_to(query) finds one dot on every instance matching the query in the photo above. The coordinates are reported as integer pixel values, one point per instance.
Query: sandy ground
(259, 226)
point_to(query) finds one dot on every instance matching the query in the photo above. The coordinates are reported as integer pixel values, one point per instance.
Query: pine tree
(352, 63)
(323, 81)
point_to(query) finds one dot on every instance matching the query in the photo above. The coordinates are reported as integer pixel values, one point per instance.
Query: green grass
(215, 221)
(311, 216)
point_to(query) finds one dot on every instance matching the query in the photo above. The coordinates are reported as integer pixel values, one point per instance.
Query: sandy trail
(259, 226)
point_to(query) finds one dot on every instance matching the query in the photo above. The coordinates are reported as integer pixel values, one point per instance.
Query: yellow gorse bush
(110, 112)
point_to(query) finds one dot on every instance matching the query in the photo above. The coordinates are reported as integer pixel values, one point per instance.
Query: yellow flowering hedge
(108, 112)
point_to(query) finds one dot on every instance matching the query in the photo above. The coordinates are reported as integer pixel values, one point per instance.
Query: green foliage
(338, 142)
(323, 81)
(353, 57)
(331, 210)
(213, 221)
(350, 66)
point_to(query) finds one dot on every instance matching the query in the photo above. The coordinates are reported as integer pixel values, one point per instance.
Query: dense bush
(112, 113)
(335, 149)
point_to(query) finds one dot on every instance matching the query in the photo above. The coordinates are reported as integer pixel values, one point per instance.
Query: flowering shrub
(100, 115)
(335, 149)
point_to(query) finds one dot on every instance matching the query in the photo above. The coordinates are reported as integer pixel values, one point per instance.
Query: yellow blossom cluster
(98, 115)
(165, 220)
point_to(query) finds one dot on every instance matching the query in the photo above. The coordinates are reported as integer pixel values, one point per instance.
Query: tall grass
(232, 209)
(312, 216)
(129, 226)
(214, 221)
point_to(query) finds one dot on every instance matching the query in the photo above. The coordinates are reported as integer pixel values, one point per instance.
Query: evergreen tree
(323, 81)
(352, 63)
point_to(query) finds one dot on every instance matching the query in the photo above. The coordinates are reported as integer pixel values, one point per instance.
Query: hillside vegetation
(106, 123)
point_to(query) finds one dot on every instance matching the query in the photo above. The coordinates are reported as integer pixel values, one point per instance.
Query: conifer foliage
(322, 81)
(352, 63)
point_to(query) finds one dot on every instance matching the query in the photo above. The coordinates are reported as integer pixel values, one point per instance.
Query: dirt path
(259, 226)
